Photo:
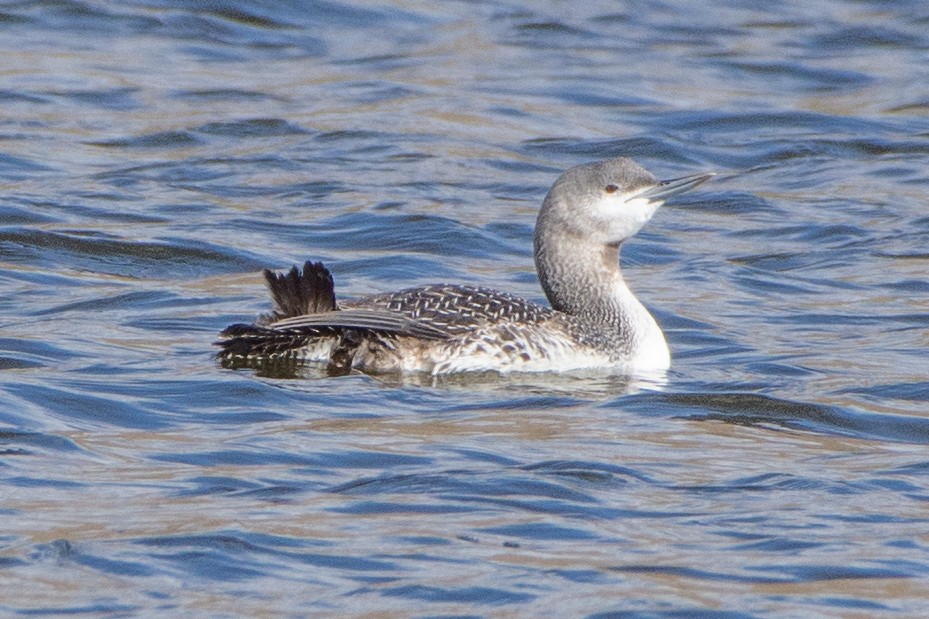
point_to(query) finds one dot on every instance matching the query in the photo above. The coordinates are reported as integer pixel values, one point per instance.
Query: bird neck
(582, 281)
(586, 282)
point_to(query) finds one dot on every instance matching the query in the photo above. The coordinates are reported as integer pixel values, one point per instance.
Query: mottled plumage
(594, 322)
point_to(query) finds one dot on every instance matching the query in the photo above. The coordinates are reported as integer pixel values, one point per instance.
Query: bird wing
(383, 321)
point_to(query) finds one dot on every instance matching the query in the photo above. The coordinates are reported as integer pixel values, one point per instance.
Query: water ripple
(156, 155)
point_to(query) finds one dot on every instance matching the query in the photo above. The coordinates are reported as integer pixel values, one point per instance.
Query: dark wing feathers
(368, 319)
(456, 309)
(305, 309)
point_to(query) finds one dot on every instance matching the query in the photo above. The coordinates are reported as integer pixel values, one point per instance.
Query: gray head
(608, 201)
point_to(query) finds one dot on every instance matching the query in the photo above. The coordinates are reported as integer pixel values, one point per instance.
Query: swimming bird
(594, 320)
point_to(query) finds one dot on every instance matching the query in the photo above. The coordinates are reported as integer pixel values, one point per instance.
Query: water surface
(156, 155)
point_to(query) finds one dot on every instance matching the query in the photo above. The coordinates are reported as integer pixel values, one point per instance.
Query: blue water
(156, 155)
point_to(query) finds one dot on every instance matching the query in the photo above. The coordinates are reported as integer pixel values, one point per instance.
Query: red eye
(611, 189)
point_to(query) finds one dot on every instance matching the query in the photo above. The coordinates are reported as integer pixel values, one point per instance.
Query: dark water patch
(783, 262)
(777, 545)
(373, 508)
(272, 493)
(328, 460)
(639, 146)
(104, 254)
(869, 36)
(920, 107)
(774, 574)
(295, 18)
(696, 574)
(778, 368)
(379, 63)
(401, 269)
(761, 410)
(581, 575)
(549, 29)
(240, 15)
(225, 95)
(203, 324)
(487, 457)
(251, 128)
(879, 518)
(248, 555)
(914, 392)
(730, 204)
(26, 353)
(88, 409)
(539, 531)
(576, 95)
(311, 190)
(115, 610)
(22, 442)
(799, 77)
(837, 318)
(162, 139)
(520, 233)
(234, 457)
(771, 482)
(12, 363)
(90, 20)
(368, 92)
(94, 207)
(12, 97)
(464, 486)
(214, 565)
(19, 168)
(856, 603)
(820, 573)
(194, 171)
(141, 300)
(114, 99)
(203, 402)
(587, 472)
(812, 233)
(519, 401)
(11, 562)
(233, 540)
(62, 550)
(418, 483)
(232, 487)
(920, 468)
(684, 613)
(233, 34)
(914, 255)
(702, 344)
(352, 136)
(32, 482)
(771, 287)
(484, 596)
(426, 234)
(761, 123)
(10, 19)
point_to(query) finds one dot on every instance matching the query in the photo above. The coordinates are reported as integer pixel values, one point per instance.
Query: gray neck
(581, 280)
(585, 281)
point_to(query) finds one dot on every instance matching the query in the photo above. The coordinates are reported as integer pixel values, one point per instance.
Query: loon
(594, 320)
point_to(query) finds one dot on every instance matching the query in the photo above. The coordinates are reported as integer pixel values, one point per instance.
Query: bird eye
(611, 189)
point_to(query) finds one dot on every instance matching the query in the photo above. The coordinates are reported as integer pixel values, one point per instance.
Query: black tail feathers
(296, 292)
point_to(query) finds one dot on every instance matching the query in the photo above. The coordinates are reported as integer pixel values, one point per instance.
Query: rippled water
(155, 155)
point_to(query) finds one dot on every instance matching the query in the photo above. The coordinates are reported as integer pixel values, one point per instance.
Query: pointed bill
(665, 189)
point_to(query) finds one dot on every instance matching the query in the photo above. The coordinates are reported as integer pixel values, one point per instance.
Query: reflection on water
(155, 156)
